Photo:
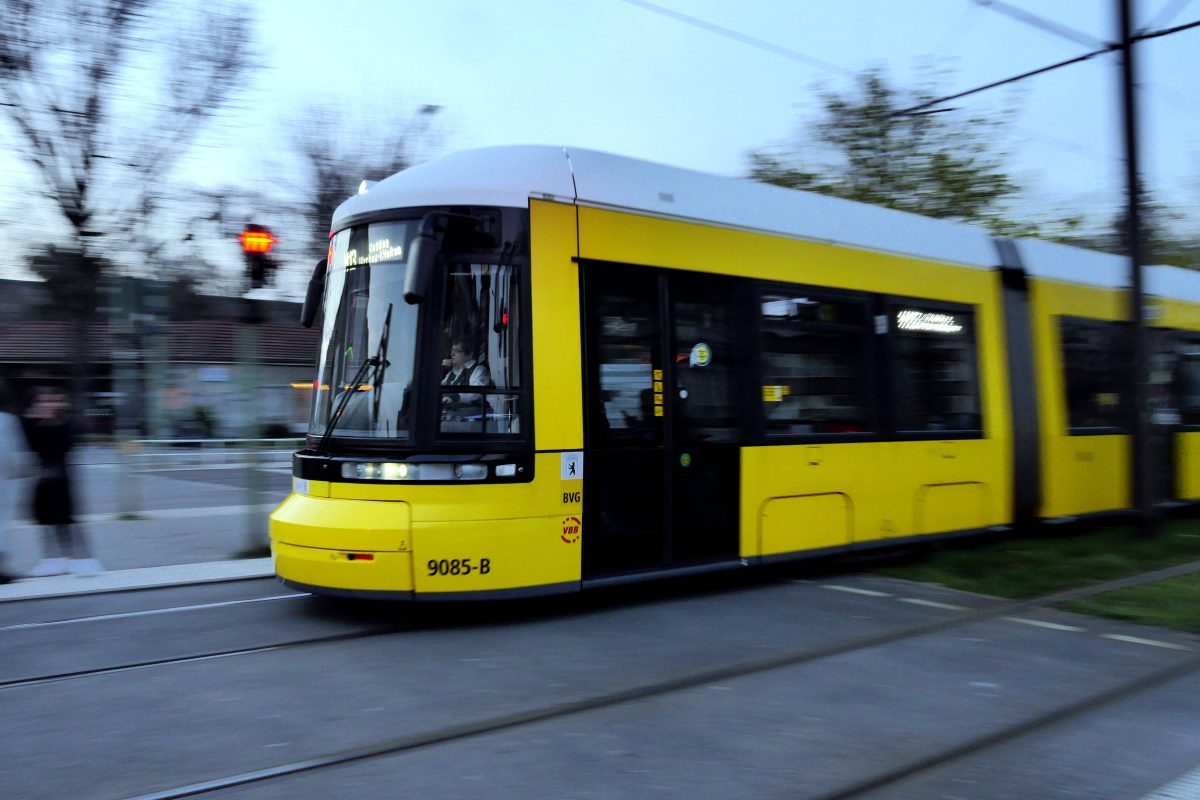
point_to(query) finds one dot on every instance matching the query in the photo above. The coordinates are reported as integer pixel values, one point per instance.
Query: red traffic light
(257, 240)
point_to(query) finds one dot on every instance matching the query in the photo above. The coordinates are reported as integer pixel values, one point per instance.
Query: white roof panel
(1061, 262)
(624, 183)
(1174, 282)
(494, 176)
(509, 176)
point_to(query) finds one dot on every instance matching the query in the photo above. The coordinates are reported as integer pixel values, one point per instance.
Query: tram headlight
(470, 472)
(399, 471)
(374, 471)
(391, 471)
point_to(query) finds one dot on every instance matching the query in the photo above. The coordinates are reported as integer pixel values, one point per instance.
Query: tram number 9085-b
(458, 566)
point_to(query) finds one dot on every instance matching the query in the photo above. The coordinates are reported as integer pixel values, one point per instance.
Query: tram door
(662, 464)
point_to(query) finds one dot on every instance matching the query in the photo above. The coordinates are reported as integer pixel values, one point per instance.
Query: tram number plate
(459, 566)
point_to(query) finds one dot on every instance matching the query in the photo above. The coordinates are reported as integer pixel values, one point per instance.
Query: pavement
(189, 519)
(140, 578)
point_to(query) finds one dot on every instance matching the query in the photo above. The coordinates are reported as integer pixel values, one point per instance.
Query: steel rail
(490, 725)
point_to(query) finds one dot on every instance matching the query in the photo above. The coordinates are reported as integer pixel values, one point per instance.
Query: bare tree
(336, 157)
(102, 99)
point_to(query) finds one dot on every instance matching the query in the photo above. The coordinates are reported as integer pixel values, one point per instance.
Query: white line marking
(147, 613)
(1149, 642)
(1185, 787)
(856, 590)
(916, 601)
(1037, 623)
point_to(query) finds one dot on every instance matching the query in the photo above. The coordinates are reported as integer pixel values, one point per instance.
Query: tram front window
(368, 341)
(481, 371)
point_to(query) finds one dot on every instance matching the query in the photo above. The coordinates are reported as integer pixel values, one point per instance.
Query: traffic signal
(257, 242)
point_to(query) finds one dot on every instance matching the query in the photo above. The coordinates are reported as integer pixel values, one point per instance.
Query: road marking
(1149, 642)
(916, 601)
(855, 590)
(147, 613)
(1186, 787)
(1037, 623)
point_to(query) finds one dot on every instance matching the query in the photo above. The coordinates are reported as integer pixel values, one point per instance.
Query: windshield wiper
(380, 363)
(341, 407)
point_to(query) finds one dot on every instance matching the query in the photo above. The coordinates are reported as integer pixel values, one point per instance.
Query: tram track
(95, 672)
(506, 722)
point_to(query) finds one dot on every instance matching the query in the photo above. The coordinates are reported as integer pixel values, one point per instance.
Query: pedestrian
(15, 461)
(50, 432)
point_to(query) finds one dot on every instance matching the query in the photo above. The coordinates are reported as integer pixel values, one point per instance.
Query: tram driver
(464, 370)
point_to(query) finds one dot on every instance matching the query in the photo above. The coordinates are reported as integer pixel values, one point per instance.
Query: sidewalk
(140, 578)
(167, 547)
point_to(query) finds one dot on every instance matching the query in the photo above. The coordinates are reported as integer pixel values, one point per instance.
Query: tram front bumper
(343, 546)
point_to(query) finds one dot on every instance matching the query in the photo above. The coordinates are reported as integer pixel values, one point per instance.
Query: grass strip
(1029, 566)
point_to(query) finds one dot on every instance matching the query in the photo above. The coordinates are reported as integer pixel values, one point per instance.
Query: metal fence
(168, 453)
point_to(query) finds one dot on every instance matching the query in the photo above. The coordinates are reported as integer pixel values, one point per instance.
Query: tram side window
(1091, 351)
(1188, 371)
(625, 341)
(481, 366)
(934, 375)
(815, 357)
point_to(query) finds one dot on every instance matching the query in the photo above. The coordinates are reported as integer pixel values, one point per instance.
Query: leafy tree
(102, 98)
(934, 164)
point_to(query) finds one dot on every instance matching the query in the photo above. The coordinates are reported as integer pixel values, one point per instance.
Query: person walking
(14, 461)
(49, 429)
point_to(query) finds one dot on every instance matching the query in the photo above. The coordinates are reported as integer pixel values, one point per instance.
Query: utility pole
(1143, 500)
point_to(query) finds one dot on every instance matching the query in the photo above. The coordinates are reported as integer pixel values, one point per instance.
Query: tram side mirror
(312, 298)
(422, 263)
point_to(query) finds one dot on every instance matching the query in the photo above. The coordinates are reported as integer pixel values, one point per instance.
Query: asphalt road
(221, 683)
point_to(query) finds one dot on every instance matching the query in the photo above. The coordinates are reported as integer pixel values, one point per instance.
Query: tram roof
(512, 175)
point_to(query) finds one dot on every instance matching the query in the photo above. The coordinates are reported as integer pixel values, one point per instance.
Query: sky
(619, 76)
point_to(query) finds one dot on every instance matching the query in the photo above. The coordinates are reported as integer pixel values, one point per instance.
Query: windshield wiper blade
(373, 361)
(381, 366)
(380, 363)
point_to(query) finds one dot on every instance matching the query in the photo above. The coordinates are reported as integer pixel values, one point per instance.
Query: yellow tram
(544, 369)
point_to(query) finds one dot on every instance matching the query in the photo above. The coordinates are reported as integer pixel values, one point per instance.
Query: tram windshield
(368, 341)
(368, 358)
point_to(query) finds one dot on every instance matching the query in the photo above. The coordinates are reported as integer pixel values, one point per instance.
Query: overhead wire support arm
(1110, 48)
(995, 84)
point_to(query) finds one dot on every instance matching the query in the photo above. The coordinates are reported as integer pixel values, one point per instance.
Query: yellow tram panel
(372, 527)
(494, 555)
(491, 543)
(335, 569)
(557, 349)
(1187, 465)
(650, 241)
(1080, 474)
(804, 497)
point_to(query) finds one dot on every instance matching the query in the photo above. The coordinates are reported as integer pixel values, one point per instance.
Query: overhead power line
(1038, 22)
(1024, 75)
(729, 33)
(1167, 14)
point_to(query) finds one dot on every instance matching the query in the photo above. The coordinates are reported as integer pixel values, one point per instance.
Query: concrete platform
(143, 578)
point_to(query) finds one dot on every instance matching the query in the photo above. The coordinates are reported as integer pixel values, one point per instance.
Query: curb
(132, 579)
